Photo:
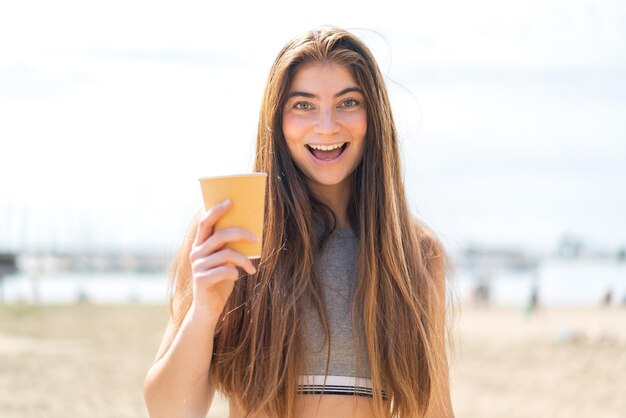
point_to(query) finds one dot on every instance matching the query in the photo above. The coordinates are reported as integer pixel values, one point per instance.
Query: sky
(511, 114)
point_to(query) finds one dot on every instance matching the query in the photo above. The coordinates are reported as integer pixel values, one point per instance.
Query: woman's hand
(214, 268)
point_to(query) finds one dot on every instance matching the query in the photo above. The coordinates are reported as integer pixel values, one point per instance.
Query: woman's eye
(350, 103)
(302, 106)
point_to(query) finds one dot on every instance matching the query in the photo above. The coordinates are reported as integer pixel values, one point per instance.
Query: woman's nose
(326, 123)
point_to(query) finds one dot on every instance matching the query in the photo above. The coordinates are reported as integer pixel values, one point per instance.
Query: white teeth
(326, 147)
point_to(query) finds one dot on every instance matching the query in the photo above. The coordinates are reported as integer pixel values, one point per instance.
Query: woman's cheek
(357, 124)
(294, 127)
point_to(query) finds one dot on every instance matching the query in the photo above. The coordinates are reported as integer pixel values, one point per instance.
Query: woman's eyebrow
(301, 93)
(313, 96)
(349, 90)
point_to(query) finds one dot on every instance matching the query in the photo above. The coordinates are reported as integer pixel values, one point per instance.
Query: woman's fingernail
(253, 238)
(226, 202)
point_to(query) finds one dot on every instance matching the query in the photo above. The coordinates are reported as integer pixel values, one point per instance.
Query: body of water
(104, 288)
(555, 282)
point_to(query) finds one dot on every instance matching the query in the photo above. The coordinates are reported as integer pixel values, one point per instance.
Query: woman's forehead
(323, 77)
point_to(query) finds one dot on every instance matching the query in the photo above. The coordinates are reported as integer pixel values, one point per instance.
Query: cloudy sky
(512, 114)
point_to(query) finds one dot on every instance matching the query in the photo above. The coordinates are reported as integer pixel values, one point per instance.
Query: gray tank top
(337, 273)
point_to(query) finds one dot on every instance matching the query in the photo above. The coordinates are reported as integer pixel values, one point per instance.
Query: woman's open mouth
(327, 152)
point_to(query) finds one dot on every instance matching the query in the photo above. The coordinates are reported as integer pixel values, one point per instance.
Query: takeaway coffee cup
(247, 194)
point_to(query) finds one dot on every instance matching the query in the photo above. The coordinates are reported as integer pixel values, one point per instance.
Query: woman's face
(324, 123)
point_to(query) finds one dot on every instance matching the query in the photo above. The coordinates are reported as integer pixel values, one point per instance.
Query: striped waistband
(335, 385)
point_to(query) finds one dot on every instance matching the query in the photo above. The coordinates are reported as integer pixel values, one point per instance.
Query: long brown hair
(258, 350)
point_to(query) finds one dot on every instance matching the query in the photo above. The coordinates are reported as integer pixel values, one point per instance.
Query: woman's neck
(336, 197)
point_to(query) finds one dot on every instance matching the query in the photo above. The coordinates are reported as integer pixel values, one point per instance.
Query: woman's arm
(436, 263)
(178, 385)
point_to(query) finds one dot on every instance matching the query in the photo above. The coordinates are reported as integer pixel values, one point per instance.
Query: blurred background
(512, 122)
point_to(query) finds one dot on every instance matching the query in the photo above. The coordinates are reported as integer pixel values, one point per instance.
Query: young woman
(344, 314)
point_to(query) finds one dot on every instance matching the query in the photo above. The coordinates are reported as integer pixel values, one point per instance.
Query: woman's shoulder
(428, 240)
(433, 252)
